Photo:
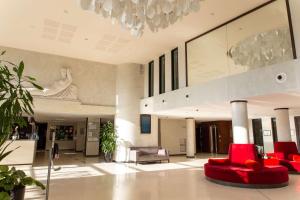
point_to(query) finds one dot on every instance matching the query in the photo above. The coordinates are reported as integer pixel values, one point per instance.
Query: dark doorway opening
(258, 133)
(42, 133)
(297, 124)
(213, 137)
(274, 130)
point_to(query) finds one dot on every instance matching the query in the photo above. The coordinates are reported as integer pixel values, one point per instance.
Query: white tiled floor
(88, 178)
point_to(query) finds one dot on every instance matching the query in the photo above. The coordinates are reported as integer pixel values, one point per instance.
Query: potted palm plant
(108, 140)
(15, 101)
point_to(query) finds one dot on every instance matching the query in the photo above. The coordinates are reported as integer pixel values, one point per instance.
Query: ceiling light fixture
(134, 14)
(263, 49)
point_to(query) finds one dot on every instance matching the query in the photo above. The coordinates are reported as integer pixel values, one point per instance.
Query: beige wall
(24, 153)
(173, 133)
(95, 81)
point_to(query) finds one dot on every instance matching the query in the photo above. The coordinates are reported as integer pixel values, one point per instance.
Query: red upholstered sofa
(243, 168)
(287, 154)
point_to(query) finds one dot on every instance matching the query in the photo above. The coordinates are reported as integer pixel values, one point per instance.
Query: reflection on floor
(90, 178)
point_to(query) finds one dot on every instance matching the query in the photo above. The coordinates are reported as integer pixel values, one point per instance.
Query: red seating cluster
(243, 168)
(285, 154)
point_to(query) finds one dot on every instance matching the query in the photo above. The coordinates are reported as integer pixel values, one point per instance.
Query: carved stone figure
(61, 89)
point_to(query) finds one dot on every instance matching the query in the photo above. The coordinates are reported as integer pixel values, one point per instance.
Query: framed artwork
(145, 123)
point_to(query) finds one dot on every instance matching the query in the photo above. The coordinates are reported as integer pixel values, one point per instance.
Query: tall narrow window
(175, 78)
(162, 74)
(151, 78)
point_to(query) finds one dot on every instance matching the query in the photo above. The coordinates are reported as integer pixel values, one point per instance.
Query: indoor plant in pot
(13, 183)
(108, 140)
(15, 101)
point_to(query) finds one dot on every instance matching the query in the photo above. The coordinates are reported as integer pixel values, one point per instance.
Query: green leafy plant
(108, 140)
(15, 101)
(11, 179)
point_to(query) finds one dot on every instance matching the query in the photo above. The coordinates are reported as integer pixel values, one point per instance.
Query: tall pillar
(240, 122)
(283, 124)
(129, 90)
(190, 138)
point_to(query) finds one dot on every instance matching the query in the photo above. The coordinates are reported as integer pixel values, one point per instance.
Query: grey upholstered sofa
(148, 154)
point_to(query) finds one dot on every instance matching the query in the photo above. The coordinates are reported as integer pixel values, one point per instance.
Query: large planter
(18, 193)
(108, 157)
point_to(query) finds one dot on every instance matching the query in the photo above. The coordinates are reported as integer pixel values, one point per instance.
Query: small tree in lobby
(108, 140)
(15, 101)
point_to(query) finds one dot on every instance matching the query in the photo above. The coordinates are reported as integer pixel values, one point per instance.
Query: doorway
(258, 134)
(213, 137)
(274, 130)
(42, 133)
(297, 124)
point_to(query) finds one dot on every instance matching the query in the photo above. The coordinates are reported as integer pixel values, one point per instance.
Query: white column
(190, 138)
(283, 124)
(129, 90)
(240, 122)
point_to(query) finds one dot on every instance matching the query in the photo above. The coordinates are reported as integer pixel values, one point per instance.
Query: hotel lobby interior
(150, 99)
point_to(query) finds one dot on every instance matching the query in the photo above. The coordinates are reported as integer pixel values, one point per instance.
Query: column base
(190, 156)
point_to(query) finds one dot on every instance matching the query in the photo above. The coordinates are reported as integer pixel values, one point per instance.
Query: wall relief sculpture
(61, 89)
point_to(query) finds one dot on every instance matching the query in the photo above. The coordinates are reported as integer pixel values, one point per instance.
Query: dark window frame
(174, 69)
(258, 137)
(162, 74)
(151, 78)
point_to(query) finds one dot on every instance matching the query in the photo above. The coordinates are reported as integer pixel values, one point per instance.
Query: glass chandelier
(133, 14)
(263, 49)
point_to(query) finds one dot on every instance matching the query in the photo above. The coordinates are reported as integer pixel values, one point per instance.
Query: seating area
(285, 154)
(243, 168)
(148, 154)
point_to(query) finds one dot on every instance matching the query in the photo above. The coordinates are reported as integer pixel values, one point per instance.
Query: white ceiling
(60, 27)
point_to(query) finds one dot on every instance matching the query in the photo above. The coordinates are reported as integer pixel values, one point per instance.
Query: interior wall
(268, 139)
(240, 86)
(293, 128)
(173, 135)
(95, 82)
(168, 79)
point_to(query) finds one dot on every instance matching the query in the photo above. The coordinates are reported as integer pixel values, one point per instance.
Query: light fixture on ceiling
(262, 49)
(134, 14)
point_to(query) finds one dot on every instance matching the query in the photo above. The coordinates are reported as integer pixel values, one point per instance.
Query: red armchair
(287, 154)
(243, 168)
